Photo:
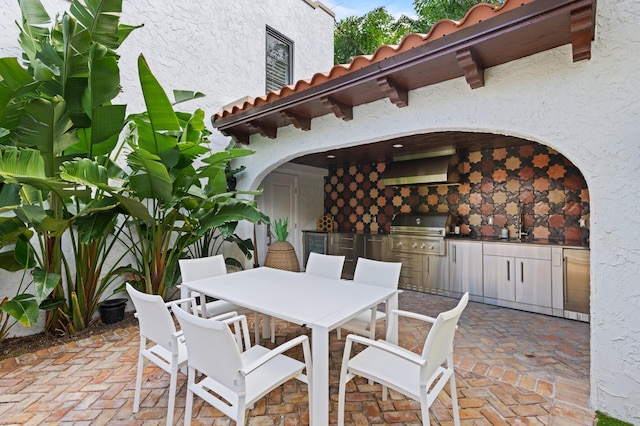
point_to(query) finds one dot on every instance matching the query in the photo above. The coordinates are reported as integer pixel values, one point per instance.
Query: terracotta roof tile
(478, 13)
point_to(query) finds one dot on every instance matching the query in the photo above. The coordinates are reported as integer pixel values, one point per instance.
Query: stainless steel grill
(419, 233)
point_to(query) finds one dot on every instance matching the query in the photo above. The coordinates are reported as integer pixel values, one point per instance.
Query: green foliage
(56, 106)
(59, 134)
(190, 207)
(362, 35)
(281, 226)
(605, 420)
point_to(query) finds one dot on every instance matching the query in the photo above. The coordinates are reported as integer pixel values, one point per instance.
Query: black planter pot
(112, 310)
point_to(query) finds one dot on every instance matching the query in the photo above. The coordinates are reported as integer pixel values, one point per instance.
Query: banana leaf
(23, 308)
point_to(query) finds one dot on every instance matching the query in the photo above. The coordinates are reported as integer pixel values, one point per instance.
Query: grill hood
(422, 171)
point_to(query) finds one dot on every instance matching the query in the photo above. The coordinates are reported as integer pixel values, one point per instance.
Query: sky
(344, 8)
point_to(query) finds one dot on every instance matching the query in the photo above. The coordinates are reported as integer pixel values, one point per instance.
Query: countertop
(526, 240)
(532, 241)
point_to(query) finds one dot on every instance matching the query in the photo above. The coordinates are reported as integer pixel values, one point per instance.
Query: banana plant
(186, 202)
(58, 102)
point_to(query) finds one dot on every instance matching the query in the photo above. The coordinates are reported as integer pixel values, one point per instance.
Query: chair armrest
(191, 300)
(304, 340)
(178, 301)
(226, 317)
(413, 315)
(387, 347)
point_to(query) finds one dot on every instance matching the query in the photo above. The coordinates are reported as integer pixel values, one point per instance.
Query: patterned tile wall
(532, 181)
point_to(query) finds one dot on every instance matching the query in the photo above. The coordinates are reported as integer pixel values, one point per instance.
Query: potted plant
(281, 254)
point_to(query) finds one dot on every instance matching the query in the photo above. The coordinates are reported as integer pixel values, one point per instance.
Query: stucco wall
(588, 112)
(217, 48)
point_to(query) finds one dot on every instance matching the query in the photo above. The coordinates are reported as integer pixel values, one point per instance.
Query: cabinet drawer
(517, 250)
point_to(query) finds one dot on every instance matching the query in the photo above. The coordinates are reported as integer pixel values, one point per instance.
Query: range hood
(421, 171)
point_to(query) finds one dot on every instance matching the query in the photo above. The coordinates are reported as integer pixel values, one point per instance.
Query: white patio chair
(418, 376)
(168, 352)
(205, 267)
(320, 265)
(372, 272)
(324, 265)
(238, 378)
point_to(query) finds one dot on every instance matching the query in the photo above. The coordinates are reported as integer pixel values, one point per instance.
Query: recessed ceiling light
(331, 156)
(397, 145)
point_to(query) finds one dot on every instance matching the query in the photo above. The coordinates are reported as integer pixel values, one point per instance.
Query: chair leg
(173, 384)
(454, 399)
(188, 408)
(424, 406)
(342, 389)
(136, 397)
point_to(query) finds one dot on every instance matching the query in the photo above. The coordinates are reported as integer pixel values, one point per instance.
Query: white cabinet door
(498, 273)
(533, 281)
(465, 268)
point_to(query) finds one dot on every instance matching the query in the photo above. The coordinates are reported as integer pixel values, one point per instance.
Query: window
(279, 60)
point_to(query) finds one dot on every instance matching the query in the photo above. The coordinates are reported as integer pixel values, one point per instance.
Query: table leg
(319, 407)
(392, 303)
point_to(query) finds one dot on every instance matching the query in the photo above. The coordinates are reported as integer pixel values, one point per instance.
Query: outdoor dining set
(227, 371)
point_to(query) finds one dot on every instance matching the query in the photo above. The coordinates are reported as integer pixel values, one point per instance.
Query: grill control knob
(414, 246)
(423, 246)
(432, 247)
(399, 244)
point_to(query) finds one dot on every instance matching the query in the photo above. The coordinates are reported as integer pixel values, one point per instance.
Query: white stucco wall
(588, 111)
(217, 48)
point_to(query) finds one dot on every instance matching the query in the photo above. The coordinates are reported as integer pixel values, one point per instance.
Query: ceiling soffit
(486, 37)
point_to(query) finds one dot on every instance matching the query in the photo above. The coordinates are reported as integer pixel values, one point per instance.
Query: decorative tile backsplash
(497, 185)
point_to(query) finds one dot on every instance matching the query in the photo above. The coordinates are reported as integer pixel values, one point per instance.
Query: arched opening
(501, 180)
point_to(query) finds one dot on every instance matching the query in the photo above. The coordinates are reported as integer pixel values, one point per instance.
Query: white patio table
(322, 304)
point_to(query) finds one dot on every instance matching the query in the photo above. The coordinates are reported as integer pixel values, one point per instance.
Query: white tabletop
(296, 297)
(320, 303)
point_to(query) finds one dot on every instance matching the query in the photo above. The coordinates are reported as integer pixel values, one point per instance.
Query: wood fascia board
(298, 121)
(472, 67)
(340, 110)
(396, 94)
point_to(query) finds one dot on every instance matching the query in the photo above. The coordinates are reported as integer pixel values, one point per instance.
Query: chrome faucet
(519, 232)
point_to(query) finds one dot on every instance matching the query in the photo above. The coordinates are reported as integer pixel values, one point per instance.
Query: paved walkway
(513, 368)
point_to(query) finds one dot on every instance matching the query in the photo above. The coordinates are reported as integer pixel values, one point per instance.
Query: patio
(512, 368)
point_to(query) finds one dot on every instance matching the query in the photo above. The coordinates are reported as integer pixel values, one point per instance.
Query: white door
(279, 201)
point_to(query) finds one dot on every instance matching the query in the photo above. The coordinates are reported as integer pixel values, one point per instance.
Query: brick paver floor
(512, 368)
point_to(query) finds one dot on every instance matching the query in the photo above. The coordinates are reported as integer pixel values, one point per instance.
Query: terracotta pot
(281, 255)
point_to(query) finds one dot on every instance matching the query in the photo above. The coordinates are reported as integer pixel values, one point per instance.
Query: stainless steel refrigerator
(576, 284)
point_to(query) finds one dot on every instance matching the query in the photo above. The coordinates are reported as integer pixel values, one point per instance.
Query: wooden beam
(239, 137)
(396, 94)
(299, 122)
(341, 110)
(581, 33)
(472, 67)
(264, 130)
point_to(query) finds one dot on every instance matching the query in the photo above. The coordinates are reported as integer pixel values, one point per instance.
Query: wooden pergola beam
(581, 33)
(472, 67)
(263, 129)
(298, 121)
(341, 110)
(396, 94)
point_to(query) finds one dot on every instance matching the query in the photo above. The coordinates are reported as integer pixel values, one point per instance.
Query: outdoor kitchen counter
(539, 242)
